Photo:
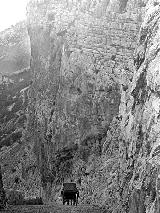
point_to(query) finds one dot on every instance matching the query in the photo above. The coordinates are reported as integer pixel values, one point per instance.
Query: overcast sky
(11, 12)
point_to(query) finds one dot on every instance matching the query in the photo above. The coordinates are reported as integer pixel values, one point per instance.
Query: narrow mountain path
(54, 209)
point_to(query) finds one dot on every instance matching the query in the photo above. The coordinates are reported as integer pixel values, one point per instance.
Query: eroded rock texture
(81, 60)
(140, 110)
(15, 80)
(93, 112)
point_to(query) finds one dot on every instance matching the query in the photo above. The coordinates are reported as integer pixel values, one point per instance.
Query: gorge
(91, 105)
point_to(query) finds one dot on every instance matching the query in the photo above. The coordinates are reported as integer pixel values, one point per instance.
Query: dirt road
(54, 209)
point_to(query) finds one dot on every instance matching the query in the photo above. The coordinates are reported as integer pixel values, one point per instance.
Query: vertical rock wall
(140, 112)
(81, 60)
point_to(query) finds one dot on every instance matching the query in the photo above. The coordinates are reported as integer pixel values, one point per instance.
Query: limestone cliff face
(93, 112)
(140, 112)
(82, 65)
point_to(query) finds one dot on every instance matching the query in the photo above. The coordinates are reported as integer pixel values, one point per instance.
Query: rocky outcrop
(13, 117)
(14, 100)
(15, 80)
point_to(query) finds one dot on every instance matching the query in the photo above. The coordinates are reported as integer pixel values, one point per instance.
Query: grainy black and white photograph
(80, 106)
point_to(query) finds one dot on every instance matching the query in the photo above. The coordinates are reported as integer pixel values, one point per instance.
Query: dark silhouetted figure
(70, 193)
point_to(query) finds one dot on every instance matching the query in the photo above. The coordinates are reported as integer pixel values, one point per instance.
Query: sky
(11, 12)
